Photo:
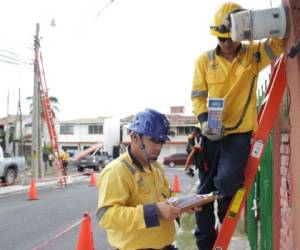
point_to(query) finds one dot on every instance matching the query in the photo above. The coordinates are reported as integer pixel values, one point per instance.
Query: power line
(100, 12)
(9, 62)
(10, 52)
(15, 59)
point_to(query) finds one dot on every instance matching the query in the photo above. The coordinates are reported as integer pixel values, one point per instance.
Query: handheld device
(215, 115)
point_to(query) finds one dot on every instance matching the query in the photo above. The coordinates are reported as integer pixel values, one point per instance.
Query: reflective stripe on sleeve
(211, 55)
(268, 50)
(131, 169)
(203, 117)
(100, 212)
(151, 215)
(244, 48)
(197, 93)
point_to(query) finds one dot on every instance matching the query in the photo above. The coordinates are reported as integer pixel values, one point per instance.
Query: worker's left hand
(209, 135)
(193, 210)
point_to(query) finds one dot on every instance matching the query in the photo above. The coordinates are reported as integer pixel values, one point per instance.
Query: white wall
(80, 135)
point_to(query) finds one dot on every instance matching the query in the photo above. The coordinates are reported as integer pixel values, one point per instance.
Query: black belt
(168, 247)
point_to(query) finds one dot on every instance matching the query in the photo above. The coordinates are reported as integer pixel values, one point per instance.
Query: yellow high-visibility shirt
(64, 156)
(216, 77)
(126, 205)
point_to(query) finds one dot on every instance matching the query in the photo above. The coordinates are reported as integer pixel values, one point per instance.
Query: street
(56, 215)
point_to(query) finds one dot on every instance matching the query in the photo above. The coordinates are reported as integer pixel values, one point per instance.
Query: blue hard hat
(151, 123)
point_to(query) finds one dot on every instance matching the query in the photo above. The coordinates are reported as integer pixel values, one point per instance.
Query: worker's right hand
(167, 211)
(198, 134)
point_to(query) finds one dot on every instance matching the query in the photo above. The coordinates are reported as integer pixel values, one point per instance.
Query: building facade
(80, 134)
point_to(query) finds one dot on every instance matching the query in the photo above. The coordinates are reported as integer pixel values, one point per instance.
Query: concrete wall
(286, 212)
(80, 135)
(289, 169)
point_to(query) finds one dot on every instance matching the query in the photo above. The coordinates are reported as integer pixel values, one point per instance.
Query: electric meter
(258, 24)
(215, 108)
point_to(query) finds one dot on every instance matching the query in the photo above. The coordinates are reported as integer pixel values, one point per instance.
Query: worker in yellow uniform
(224, 101)
(64, 157)
(133, 190)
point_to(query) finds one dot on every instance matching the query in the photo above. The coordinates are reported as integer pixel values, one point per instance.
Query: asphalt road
(28, 224)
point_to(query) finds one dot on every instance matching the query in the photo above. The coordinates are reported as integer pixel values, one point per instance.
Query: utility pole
(36, 145)
(7, 127)
(21, 152)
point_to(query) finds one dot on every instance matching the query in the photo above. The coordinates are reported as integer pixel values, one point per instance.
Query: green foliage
(28, 161)
(11, 135)
(185, 238)
(47, 149)
(53, 100)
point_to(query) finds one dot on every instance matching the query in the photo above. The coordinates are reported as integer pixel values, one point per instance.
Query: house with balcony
(79, 134)
(15, 134)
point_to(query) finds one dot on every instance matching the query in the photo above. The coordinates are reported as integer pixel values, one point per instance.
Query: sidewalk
(239, 243)
(23, 182)
(239, 240)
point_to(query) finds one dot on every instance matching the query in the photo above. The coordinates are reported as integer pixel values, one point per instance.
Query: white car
(10, 166)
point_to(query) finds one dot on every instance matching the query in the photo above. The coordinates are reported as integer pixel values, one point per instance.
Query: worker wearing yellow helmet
(221, 21)
(224, 101)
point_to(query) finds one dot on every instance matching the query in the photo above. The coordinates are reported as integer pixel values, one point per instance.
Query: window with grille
(66, 129)
(184, 130)
(95, 129)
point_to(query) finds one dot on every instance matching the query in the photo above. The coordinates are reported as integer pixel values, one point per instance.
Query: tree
(53, 100)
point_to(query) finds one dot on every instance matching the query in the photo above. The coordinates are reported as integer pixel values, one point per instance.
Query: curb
(5, 190)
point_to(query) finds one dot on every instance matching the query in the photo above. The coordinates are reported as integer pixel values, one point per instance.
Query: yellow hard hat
(221, 21)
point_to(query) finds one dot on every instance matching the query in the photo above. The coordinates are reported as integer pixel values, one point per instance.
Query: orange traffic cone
(32, 195)
(176, 184)
(85, 241)
(92, 179)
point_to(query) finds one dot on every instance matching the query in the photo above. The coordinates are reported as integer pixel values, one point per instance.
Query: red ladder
(266, 118)
(48, 115)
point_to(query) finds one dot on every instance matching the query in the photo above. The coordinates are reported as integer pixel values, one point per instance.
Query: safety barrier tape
(57, 236)
(50, 178)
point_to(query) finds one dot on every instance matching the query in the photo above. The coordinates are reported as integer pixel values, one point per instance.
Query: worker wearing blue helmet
(133, 190)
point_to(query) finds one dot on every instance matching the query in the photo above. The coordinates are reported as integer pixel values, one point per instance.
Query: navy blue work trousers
(226, 159)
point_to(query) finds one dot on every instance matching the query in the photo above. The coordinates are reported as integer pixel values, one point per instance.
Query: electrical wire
(15, 59)
(288, 178)
(288, 175)
(10, 57)
(103, 9)
(9, 62)
(11, 53)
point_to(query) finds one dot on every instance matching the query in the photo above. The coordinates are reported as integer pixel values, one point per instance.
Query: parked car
(10, 166)
(96, 160)
(175, 159)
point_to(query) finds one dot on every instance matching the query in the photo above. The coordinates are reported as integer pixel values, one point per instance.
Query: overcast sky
(106, 58)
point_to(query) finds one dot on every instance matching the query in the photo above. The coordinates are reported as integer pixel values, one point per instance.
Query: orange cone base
(32, 195)
(92, 180)
(85, 241)
(176, 184)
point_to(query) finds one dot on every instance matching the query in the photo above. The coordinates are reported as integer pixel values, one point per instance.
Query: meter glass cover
(215, 103)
